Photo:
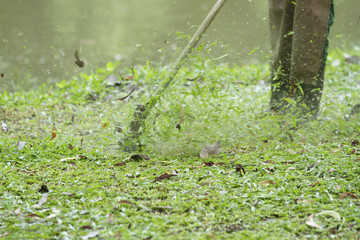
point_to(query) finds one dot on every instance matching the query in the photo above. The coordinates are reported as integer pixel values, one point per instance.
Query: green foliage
(294, 169)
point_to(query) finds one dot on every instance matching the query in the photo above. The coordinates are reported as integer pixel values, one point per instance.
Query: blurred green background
(38, 37)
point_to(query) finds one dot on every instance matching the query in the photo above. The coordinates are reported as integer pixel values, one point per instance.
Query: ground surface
(64, 176)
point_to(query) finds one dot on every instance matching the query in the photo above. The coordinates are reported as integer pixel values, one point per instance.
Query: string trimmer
(141, 112)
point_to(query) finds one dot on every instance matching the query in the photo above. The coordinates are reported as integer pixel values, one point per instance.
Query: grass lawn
(63, 174)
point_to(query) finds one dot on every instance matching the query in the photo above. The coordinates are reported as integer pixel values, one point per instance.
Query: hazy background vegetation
(38, 38)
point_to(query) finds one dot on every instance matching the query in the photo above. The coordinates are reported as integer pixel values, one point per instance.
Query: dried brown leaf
(315, 164)
(128, 202)
(164, 176)
(354, 151)
(314, 184)
(355, 143)
(120, 164)
(78, 61)
(161, 209)
(288, 162)
(138, 157)
(178, 125)
(348, 194)
(270, 169)
(118, 128)
(43, 189)
(86, 227)
(208, 163)
(128, 78)
(53, 134)
(70, 146)
(267, 182)
(200, 166)
(239, 168)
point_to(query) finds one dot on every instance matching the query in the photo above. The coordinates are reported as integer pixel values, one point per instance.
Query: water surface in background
(38, 37)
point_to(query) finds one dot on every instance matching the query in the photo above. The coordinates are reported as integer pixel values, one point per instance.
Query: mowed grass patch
(64, 175)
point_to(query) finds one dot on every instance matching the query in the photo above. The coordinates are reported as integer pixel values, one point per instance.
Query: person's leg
(281, 13)
(307, 95)
(313, 92)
